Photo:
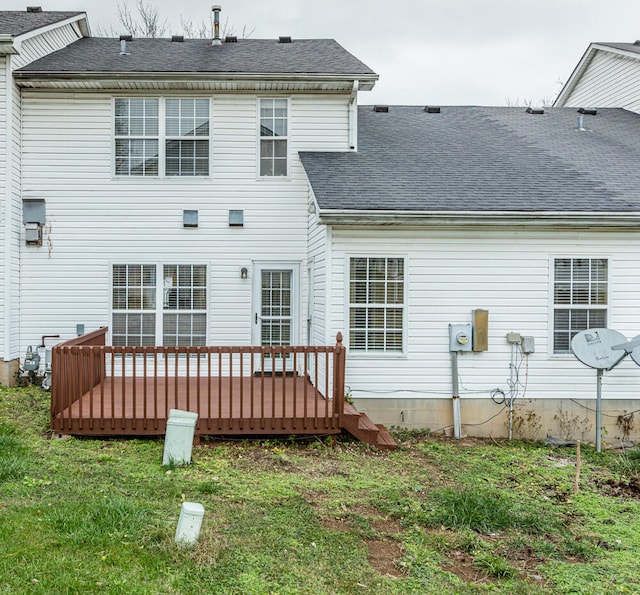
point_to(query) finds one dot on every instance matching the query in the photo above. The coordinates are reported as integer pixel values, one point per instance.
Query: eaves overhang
(473, 218)
(7, 45)
(217, 81)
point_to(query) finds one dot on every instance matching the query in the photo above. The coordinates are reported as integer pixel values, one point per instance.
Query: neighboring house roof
(17, 22)
(481, 161)
(624, 50)
(93, 58)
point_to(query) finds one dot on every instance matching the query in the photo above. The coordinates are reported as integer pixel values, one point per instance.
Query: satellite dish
(593, 348)
(635, 353)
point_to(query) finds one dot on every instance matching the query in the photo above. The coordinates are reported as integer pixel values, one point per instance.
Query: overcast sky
(438, 52)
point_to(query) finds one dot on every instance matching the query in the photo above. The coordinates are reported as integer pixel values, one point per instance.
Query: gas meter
(31, 360)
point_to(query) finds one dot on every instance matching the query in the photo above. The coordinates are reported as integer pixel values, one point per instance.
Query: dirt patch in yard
(384, 555)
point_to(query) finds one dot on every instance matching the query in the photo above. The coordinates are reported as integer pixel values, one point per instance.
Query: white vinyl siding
(610, 80)
(99, 220)
(580, 298)
(450, 273)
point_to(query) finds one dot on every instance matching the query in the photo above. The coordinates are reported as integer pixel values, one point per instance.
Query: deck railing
(233, 389)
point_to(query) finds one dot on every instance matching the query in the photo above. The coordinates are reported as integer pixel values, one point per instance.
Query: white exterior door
(275, 299)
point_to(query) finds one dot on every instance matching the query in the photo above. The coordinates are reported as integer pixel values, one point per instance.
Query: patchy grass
(287, 517)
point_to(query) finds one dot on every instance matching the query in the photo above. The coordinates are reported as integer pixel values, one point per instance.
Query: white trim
(8, 219)
(161, 138)
(78, 18)
(329, 290)
(259, 138)
(376, 354)
(257, 266)
(551, 297)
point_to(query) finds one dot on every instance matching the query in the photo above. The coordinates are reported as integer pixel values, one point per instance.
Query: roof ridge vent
(126, 38)
(636, 42)
(284, 39)
(231, 39)
(177, 38)
(432, 109)
(34, 8)
(535, 110)
(381, 109)
(587, 112)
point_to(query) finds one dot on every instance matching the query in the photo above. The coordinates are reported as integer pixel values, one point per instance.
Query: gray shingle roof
(258, 56)
(483, 159)
(19, 22)
(629, 47)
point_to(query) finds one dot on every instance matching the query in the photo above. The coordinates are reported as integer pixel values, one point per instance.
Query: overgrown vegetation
(314, 516)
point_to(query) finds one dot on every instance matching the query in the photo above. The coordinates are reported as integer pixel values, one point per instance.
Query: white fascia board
(575, 76)
(80, 18)
(466, 218)
(7, 45)
(114, 79)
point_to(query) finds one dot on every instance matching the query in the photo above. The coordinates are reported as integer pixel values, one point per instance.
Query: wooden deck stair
(359, 425)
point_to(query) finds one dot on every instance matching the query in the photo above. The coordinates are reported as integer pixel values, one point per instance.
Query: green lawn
(435, 516)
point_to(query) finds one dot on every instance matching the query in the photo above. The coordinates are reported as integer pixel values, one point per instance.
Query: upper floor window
(137, 133)
(273, 137)
(580, 298)
(161, 137)
(376, 304)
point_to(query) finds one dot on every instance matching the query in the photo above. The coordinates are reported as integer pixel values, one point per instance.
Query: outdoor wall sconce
(244, 273)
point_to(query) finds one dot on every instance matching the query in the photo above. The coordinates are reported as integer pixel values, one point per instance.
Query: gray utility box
(178, 441)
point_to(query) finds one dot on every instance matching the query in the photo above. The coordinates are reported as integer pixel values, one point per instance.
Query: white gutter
(7, 44)
(466, 218)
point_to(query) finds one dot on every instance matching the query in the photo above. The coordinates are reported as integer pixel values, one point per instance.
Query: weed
(494, 565)
(526, 424)
(625, 423)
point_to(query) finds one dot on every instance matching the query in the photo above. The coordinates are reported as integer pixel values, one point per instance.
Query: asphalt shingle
(19, 22)
(256, 56)
(486, 159)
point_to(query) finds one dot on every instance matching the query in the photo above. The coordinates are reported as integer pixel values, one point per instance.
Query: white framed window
(187, 137)
(144, 310)
(133, 304)
(274, 131)
(580, 298)
(184, 304)
(162, 137)
(376, 304)
(136, 136)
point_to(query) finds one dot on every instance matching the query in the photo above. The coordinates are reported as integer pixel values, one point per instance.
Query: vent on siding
(284, 39)
(535, 110)
(381, 109)
(34, 8)
(231, 39)
(432, 109)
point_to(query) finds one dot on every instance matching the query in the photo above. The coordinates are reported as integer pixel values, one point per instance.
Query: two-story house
(232, 192)
(24, 37)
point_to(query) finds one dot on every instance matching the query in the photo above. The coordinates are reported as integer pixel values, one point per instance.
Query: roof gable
(17, 22)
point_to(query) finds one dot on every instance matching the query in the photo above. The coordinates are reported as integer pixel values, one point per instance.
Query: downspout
(8, 219)
(353, 117)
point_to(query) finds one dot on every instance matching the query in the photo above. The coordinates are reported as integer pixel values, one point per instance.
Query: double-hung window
(273, 137)
(174, 309)
(156, 137)
(136, 137)
(376, 304)
(580, 298)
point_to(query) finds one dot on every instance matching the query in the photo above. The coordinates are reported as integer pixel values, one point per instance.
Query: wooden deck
(258, 405)
(102, 390)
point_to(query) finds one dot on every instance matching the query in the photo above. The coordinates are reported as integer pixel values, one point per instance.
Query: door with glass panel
(275, 293)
